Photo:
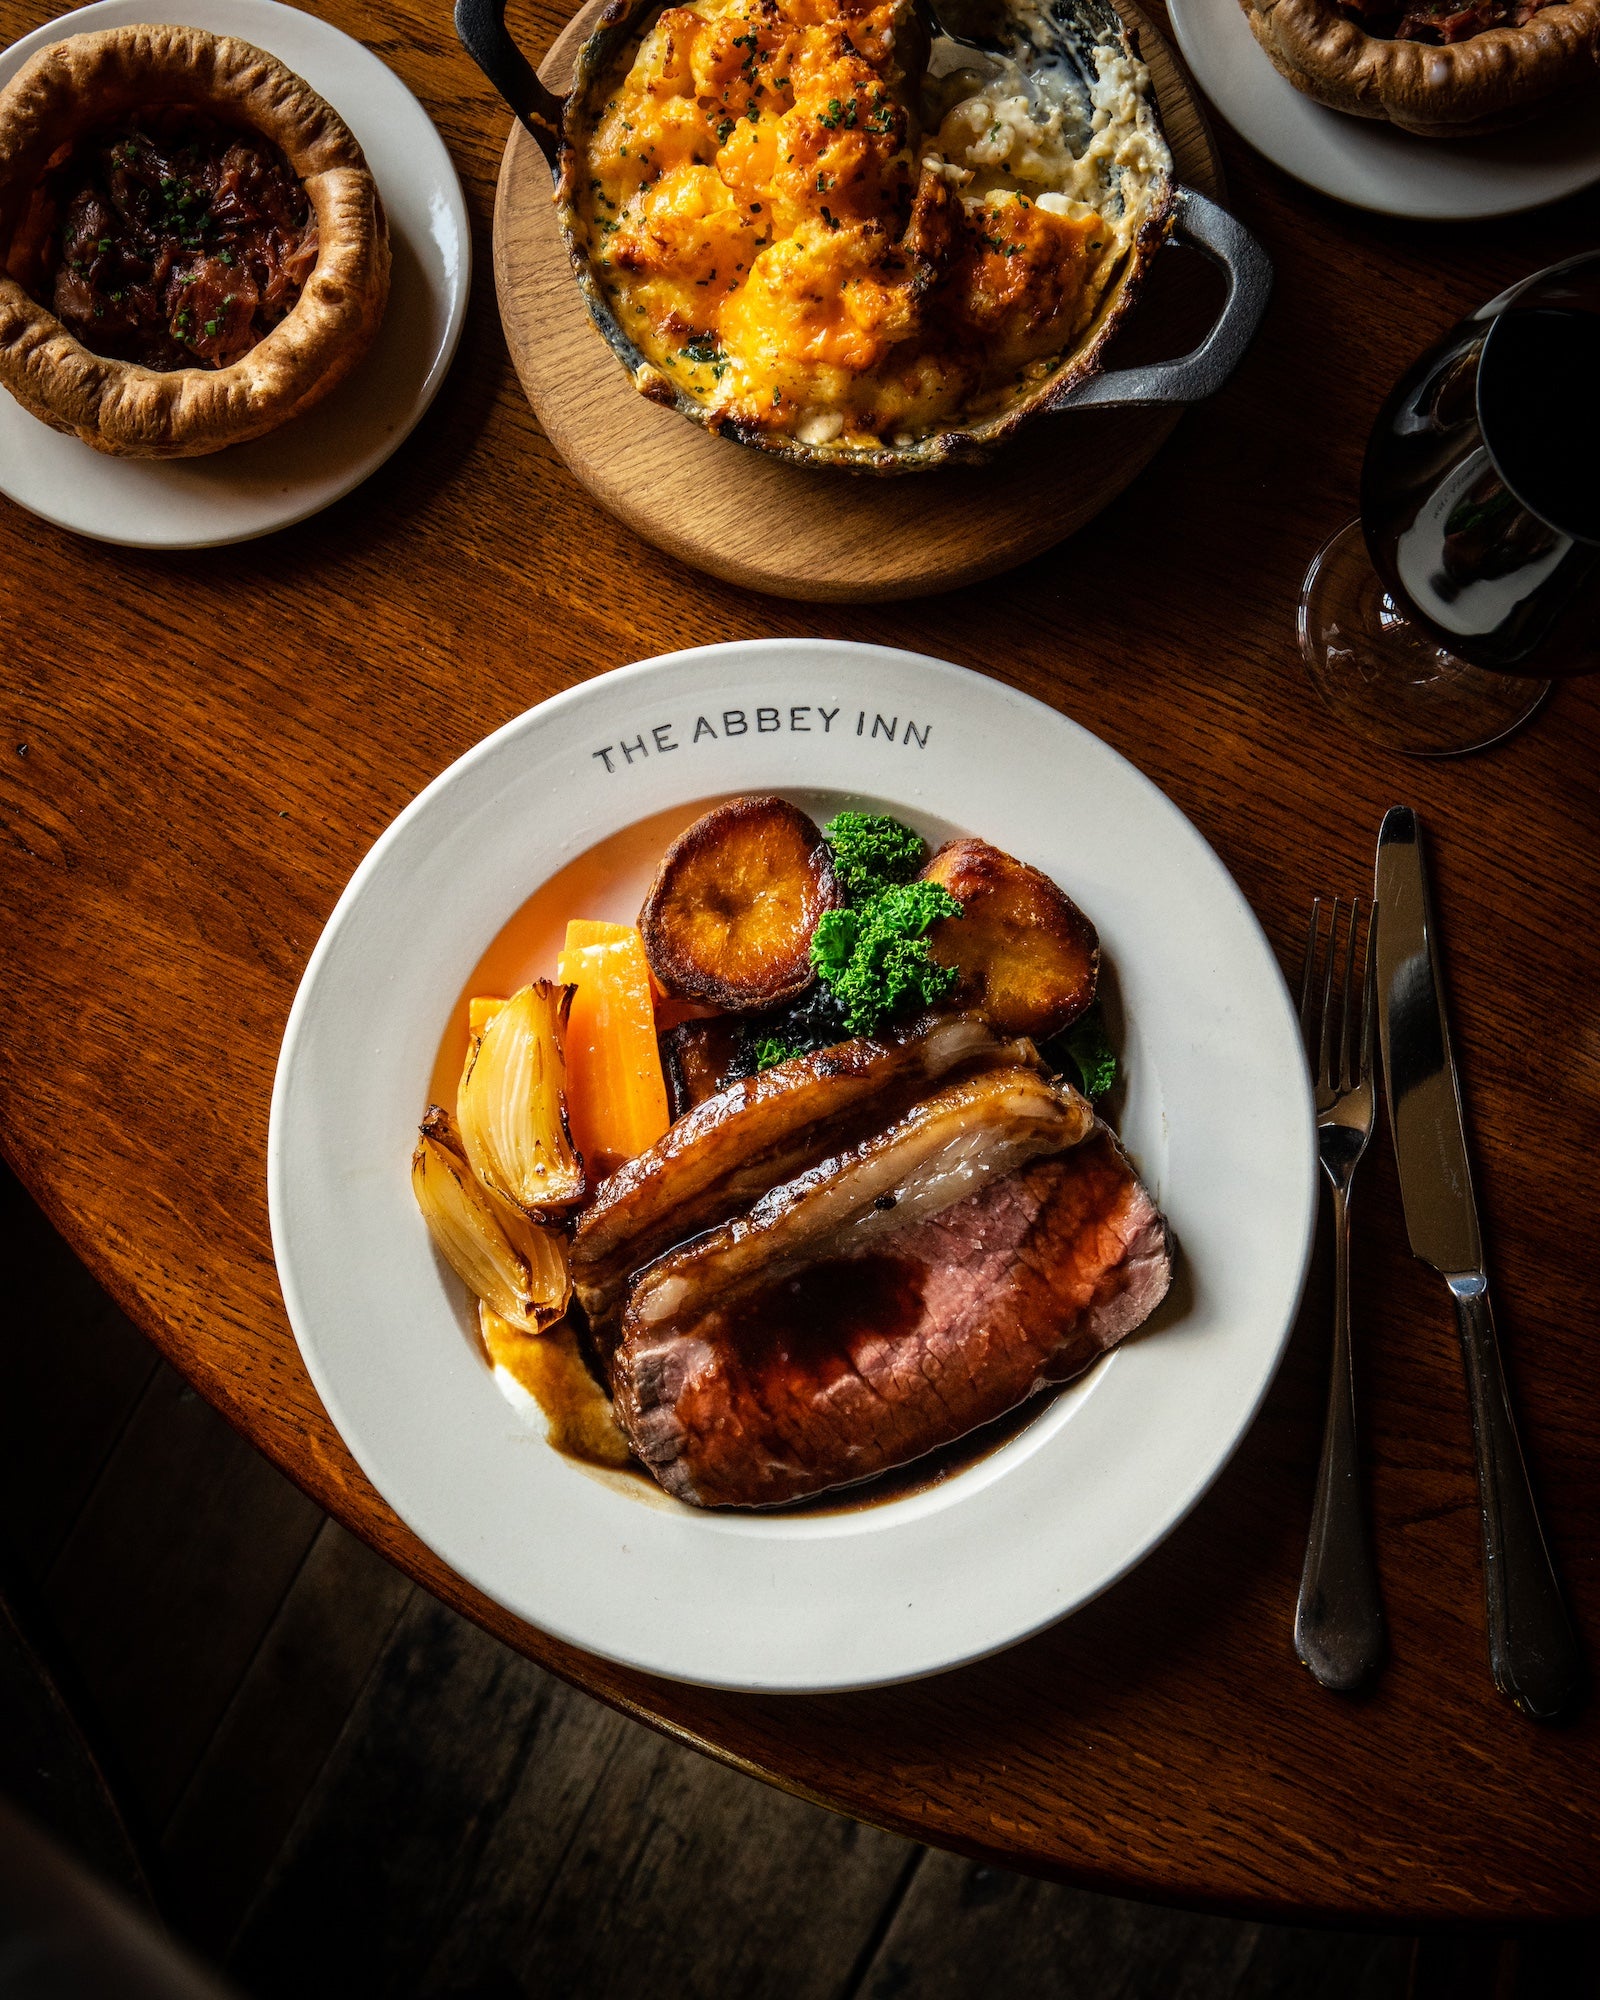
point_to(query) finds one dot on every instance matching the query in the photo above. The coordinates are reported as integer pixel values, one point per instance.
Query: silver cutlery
(1533, 1652)
(1338, 1626)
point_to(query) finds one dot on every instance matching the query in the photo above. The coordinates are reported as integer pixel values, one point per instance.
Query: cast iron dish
(1064, 45)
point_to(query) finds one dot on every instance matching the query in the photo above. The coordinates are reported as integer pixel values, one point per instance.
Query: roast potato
(729, 917)
(697, 1059)
(1027, 956)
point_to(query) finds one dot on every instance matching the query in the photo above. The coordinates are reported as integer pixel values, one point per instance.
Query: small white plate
(316, 459)
(1370, 163)
(1218, 1116)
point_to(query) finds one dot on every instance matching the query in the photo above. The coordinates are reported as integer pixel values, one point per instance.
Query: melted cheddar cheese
(785, 239)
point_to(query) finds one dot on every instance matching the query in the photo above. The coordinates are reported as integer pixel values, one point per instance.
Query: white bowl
(1218, 1115)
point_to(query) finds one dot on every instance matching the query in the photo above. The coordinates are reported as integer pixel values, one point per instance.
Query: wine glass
(1433, 623)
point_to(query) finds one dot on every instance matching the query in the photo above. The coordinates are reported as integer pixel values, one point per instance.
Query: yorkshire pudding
(1440, 75)
(192, 248)
(852, 242)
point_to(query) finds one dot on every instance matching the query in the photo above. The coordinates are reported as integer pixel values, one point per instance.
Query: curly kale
(874, 959)
(814, 1021)
(871, 852)
(1086, 1048)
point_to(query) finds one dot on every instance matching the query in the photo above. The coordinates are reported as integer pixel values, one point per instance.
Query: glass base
(1386, 678)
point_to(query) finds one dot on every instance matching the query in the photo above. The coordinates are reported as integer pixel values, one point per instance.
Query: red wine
(1480, 493)
(1539, 411)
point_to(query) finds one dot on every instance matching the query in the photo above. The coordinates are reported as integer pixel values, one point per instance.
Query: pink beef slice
(862, 1362)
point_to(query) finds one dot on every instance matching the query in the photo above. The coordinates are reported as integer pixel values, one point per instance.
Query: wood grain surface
(199, 748)
(793, 532)
(393, 1804)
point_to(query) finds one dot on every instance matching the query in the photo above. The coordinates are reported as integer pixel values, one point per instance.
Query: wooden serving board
(796, 531)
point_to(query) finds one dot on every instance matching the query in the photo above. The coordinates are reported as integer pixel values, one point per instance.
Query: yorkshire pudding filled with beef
(192, 248)
(1445, 69)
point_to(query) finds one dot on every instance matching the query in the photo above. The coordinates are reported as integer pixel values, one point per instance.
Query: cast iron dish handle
(1225, 240)
(481, 25)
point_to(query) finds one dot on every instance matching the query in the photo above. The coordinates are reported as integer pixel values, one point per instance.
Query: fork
(1338, 1626)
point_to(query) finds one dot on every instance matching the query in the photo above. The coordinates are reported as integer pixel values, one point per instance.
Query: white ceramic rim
(1219, 1115)
(316, 459)
(1372, 164)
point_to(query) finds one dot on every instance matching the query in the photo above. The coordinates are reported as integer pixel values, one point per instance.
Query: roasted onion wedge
(512, 1104)
(1028, 959)
(507, 1261)
(729, 916)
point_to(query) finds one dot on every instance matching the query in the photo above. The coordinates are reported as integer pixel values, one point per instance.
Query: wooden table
(198, 750)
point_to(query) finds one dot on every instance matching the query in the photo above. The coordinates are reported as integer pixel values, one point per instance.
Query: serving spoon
(990, 28)
(970, 24)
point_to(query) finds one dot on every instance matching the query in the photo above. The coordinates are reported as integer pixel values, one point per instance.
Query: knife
(1533, 1653)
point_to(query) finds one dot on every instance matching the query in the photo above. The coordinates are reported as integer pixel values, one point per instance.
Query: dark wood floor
(336, 1786)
